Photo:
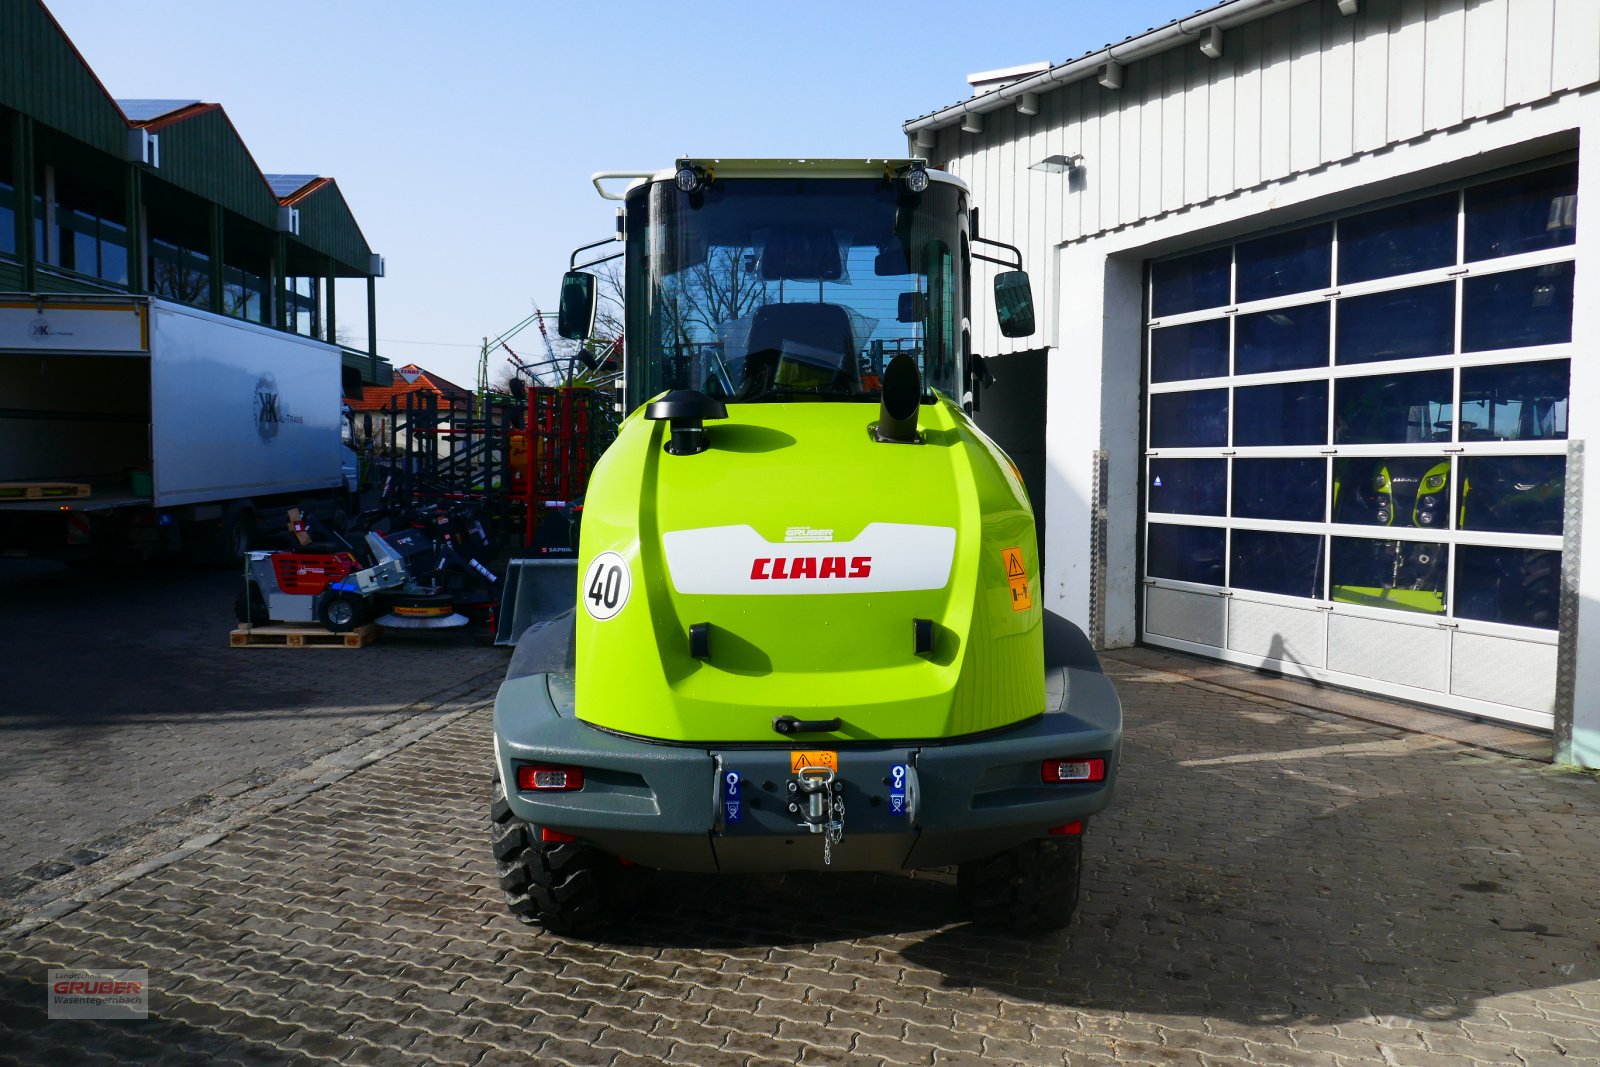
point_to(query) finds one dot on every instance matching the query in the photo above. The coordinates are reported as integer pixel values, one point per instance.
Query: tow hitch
(817, 796)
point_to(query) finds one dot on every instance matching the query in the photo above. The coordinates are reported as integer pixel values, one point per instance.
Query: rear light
(1070, 829)
(554, 837)
(1056, 771)
(544, 778)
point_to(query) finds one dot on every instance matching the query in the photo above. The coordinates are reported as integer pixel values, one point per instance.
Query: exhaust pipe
(902, 396)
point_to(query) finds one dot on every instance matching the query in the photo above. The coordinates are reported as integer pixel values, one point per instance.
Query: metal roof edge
(1224, 15)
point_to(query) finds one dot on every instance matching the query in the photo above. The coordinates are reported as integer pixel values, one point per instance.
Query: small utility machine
(810, 631)
(412, 582)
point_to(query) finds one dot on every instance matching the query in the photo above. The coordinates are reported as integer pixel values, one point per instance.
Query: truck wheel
(567, 888)
(342, 612)
(1029, 889)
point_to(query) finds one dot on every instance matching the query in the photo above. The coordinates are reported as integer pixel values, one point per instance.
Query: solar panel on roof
(150, 110)
(283, 185)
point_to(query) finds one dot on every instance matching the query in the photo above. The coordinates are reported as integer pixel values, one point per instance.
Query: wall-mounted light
(972, 122)
(927, 137)
(1349, 7)
(1211, 43)
(1058, 164)
(289, 220)
(1110, 76)
(1028, 104)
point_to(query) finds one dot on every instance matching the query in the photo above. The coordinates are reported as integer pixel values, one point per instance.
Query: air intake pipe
(902, 396)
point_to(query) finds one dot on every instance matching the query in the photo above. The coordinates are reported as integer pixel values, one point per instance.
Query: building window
(87, 233)
(179, 273)
(1396, 444)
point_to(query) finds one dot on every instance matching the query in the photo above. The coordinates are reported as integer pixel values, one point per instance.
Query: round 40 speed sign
(606, 585)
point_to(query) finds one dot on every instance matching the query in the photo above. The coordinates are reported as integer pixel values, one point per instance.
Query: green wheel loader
(809, 632)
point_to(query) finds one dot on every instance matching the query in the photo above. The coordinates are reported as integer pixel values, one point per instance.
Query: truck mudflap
(766, 809)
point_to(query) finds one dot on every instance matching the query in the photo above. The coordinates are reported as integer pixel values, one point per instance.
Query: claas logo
(765, 567)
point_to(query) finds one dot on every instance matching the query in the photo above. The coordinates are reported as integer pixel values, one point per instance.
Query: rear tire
(250, 607)
(1030, 889)
(568, 888)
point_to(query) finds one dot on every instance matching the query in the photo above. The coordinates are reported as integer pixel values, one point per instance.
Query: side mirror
(913, 308)
(575, 318)
(1013, 303)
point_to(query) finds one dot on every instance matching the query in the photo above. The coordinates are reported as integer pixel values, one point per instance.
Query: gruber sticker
(1017, 578)
(606, 585)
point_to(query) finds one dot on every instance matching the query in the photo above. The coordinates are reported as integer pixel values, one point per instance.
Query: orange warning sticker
(1017, 578)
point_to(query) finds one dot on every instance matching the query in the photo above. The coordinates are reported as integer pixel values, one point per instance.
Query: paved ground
(1272, 886)
(126, 714)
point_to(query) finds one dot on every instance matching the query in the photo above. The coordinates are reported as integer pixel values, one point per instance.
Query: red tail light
(554, 837)
(548, 778)
(1070, 829)
(1071, 769)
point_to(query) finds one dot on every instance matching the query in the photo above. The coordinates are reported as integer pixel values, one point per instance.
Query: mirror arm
(1015, 263)
(597, 262)
(573, 263)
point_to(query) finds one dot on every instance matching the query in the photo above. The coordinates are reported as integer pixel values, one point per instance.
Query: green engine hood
(809, 549)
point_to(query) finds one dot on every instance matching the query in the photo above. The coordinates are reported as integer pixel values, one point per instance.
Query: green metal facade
(201, 153)
(42, 75)
(54, 112)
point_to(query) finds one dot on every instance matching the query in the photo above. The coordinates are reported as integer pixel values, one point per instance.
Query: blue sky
(463, 135)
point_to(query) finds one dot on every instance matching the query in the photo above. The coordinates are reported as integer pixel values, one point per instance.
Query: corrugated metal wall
(327, 225)
(41, 75)
(203, 154)
(1292, 92)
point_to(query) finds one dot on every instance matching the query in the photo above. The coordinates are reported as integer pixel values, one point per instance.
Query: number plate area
(850, 809)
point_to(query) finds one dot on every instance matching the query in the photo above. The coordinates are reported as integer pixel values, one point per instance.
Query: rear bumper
(668, 805)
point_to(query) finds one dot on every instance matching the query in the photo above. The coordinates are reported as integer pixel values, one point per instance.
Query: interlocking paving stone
(1270, 887)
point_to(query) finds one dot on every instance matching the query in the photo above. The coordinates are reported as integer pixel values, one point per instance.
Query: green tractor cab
(809, 631)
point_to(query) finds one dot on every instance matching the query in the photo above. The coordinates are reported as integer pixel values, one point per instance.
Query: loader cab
(796, 283)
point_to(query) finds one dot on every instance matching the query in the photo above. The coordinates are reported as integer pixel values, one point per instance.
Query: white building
(1316, 355)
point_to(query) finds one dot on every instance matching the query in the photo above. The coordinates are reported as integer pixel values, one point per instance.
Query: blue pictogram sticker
(897, 789)
(731, 804)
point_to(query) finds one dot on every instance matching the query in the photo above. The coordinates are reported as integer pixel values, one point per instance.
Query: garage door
(1356, 457)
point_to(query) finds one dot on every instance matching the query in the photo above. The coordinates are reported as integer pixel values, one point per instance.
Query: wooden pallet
(301, 637)
(43, 490)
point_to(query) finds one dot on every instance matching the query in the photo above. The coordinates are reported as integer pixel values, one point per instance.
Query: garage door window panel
(1191, 283)
(1291, 413)
(1518, 308)
(1512, 586)
(1185, 553)
(1290, 338)
(1403, 491)
(1513, 494)
(1188, 486)
(1398, 575)
(1191, 419)
(1516, 402)
(1295, 262)
(1404, 239)
(1283, 563)
(1526, 213)
(1400, 324)
(1394, 408)
(1398, 390)
(1283, 490)
(1192, 350)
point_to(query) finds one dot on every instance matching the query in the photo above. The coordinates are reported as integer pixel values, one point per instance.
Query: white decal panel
(886, 558)
(606, 585)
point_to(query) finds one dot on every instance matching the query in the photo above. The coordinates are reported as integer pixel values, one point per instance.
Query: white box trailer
(136, 426)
